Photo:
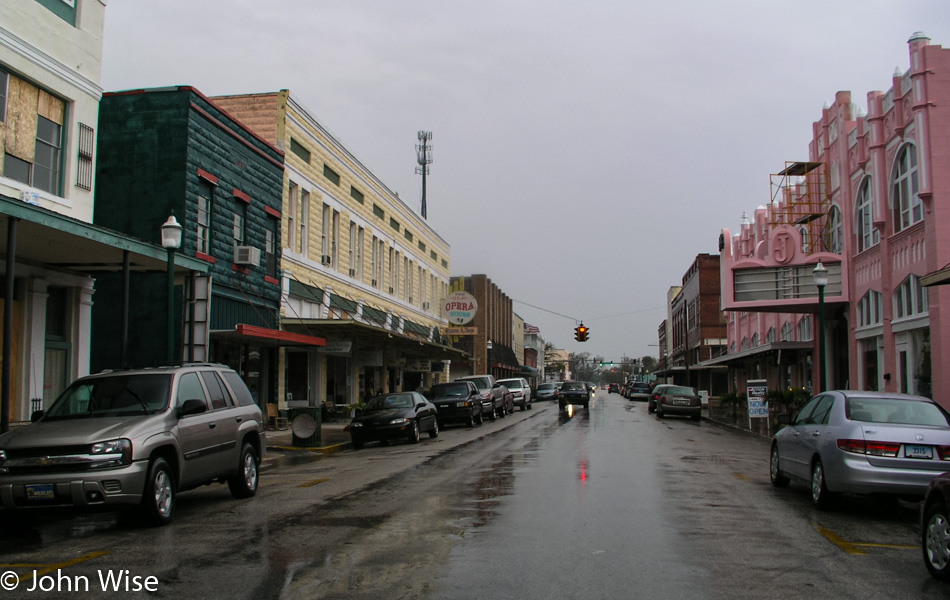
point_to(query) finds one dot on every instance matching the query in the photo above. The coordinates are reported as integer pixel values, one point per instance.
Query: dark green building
(172, 151)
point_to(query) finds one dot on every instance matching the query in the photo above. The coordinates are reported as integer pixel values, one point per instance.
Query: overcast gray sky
(585, 151)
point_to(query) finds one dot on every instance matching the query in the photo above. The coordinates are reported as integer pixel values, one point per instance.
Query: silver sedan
(862, 443)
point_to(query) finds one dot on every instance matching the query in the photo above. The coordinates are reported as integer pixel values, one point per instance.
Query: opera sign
(460, 308)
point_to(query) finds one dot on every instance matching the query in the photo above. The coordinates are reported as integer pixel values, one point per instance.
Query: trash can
(305, 425)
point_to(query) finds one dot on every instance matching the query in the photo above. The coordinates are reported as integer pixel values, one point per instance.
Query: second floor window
(205, 203)
(867, 233)
(907, 207)
(240, 222)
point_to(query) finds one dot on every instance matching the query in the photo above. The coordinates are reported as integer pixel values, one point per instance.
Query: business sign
(460, 331)
(460, 308)
(755, 394)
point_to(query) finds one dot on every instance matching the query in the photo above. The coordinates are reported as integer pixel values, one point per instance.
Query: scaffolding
(800, 197)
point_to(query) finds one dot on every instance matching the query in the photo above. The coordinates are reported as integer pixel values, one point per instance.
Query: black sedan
(393, 416)
(574, 392)
(458, 401)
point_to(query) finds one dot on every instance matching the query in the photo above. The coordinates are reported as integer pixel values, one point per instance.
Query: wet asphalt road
(606, 503)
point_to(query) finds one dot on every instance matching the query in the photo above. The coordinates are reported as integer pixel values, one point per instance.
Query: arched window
(806, 247)
(864, 212)
(770, 335)
(834, 240)
(907, 207)
(786, 332)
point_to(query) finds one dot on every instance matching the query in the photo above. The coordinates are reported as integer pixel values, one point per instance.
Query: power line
(576, 320)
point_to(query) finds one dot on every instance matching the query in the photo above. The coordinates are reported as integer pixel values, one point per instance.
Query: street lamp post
(488, 355)
(171, 241)
(820, 275)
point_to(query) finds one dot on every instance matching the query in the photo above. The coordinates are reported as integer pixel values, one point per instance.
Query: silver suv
(137, 438)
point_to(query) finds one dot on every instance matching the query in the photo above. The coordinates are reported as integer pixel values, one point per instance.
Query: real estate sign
(755, 393)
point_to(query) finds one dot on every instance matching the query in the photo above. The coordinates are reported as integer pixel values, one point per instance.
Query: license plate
(680, 402)
(918, 451)
(444, 406)
(45, 491)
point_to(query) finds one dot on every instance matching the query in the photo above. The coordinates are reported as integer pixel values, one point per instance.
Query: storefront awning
(758, 350)
(268, 337)
(365, 336)
(941, 277)
(529, 370)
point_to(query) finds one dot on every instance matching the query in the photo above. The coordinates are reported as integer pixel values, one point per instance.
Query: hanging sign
(460, 308)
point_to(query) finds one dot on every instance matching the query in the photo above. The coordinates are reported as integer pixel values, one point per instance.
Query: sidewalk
(737, 420)
(333, 438)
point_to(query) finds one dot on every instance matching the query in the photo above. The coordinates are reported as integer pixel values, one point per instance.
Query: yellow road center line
(313, 483)
(44, 568)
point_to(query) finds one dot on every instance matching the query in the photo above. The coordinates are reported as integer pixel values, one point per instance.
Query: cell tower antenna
(424, 158)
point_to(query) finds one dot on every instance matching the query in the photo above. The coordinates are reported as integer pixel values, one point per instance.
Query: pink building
(867, 205)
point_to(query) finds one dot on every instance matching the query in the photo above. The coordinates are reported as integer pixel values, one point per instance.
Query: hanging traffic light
(580, 333)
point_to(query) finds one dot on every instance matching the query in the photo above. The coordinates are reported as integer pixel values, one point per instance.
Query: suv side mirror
(37, 415)
(193, 406)
(783, 419)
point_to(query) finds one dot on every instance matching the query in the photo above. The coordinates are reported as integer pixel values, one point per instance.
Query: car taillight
(943, 452)
(870, 448)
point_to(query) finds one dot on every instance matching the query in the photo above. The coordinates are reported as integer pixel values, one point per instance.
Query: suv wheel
(243, 484)
(158, 501)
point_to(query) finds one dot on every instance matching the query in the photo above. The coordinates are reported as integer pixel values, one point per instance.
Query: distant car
(861, 442)
(576, 393)
(520, 390)
(134, 438)
(394, 416)
(655, 395)
(548, 391)
(495, 401)
(935, 527)
(613, 388)
(458, 401)
(678, 400)
(638, 390)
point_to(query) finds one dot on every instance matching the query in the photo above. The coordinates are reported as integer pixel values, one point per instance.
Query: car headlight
(399, 422)
(355, 424)
(3, 454)
(120, 451)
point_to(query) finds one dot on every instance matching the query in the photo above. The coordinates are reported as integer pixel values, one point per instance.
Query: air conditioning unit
(247, 255)
(326, 259)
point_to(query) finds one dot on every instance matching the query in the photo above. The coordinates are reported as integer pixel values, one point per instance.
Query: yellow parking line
(854, 547)
(741, 476)
(44, 568)
(313, 483)
(835, 539)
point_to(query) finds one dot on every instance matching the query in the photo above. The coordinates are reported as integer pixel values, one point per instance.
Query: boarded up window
(87, 141)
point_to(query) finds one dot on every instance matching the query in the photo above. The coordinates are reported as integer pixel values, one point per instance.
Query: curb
(332, 449)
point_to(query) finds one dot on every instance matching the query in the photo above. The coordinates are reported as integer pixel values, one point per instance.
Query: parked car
(458, 401)
(613, 388)
(574, 392)
(394, 416)
(548, 391)
(495, 401)
(678, 400)
(638, 390)
(520, 390)
(655, 395)
(134, 438)
(862, 442)
(935, 527)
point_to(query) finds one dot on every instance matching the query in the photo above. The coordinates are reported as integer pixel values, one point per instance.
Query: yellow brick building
(358, 267)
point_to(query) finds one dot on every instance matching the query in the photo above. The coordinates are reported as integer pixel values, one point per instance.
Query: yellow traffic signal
(580, 333)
